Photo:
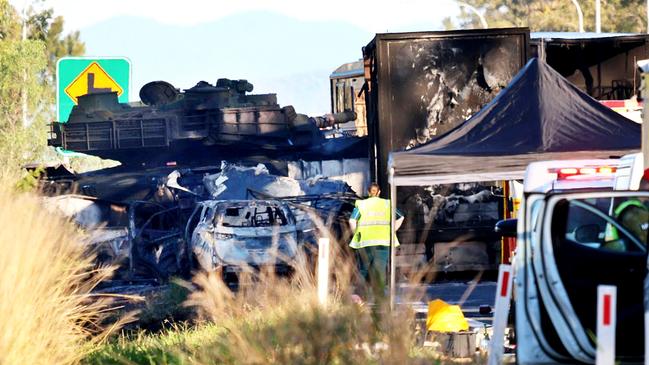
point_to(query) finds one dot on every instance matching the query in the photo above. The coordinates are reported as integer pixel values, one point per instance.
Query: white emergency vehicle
(572, 237)
(629, 172)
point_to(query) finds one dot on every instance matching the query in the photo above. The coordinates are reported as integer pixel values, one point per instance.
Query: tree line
(617, 16)
(27, 78)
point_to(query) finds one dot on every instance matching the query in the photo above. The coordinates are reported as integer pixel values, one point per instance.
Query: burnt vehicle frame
(233, 235)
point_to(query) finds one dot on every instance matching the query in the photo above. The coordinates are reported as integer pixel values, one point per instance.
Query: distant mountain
(276, 53)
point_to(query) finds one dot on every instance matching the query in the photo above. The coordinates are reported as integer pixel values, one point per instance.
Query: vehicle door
(584, 241)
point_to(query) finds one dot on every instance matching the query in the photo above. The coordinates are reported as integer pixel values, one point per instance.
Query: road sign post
(503, 295)
(606, 322)
(78, 76)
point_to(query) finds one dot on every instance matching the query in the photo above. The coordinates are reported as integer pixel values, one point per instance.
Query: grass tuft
(47, 314)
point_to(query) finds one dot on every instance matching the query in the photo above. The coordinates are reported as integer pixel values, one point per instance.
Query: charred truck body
(601, 64)
(346, 90)
(418, 87)
(421, 85)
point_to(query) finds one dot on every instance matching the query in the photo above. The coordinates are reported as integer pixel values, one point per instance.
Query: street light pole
(483, 21)
(598, 16)
(580, 16)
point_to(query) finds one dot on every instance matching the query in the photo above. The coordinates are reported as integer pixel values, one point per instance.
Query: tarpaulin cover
(443, 317)
(539, 116)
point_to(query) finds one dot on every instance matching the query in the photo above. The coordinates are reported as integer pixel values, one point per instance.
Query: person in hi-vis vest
(370, 222)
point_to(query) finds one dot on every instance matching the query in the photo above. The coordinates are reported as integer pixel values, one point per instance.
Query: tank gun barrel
(328, 120)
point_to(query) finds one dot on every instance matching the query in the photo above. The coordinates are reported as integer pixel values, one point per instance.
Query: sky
(286, 47)
(372, 16)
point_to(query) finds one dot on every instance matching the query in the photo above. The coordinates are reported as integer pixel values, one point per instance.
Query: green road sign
(77, 76)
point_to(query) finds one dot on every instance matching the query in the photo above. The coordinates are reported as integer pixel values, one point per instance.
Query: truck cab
(574, 235)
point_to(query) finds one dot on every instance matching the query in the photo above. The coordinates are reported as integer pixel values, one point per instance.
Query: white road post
(323, 270)
(606, 323)
(503, 295)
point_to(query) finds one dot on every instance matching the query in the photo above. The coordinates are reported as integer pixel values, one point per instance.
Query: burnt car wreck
(232, 235)
(164, 222)
(182, 229)
(204, 179)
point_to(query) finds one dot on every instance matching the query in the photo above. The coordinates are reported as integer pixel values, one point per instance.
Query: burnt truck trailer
(418, 87)
(601, 64)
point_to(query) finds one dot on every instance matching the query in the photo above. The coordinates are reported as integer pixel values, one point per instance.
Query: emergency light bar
(594, 171)
(545, 176)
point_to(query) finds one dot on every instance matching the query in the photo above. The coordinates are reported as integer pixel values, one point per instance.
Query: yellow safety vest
(373, 227)
(611, 233)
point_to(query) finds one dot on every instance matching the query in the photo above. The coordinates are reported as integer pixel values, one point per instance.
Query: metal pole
(393, 253)
(598, 16)
(580, 16)
(647, 16)
(477, 13)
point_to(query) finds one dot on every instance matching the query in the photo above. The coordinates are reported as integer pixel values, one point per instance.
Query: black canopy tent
(539, 116)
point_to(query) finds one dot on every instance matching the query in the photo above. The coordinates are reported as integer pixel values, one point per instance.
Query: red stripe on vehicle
(607, 310)
(503, 290)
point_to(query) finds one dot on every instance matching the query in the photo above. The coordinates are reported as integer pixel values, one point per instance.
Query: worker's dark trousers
(373, 266)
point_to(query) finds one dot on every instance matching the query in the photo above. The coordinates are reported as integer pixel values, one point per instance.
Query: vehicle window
(618, 224)
(251, 216)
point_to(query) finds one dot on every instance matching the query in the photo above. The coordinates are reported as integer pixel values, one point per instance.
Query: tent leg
(393, 254)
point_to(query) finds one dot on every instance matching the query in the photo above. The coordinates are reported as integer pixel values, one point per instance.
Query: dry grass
(278, 320)
(46, 313)
(274, 320)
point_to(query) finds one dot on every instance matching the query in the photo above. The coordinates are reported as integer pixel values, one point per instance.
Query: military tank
(206, 121)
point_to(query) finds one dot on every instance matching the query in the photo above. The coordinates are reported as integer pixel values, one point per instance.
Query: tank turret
(172, 121)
